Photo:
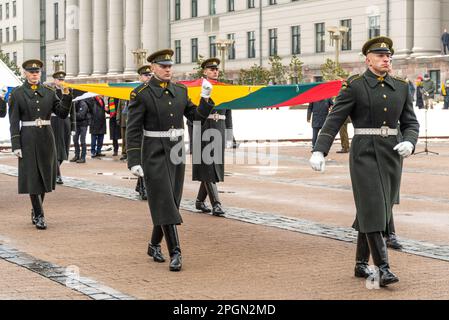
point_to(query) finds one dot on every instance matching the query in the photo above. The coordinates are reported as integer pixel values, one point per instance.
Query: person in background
(419, 93)
(428, 92)
(445, 94)
(97, 124)
(114, 126)
(317, 114)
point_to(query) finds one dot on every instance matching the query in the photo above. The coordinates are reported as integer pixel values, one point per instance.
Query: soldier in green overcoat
(386, 131)
(30, 108)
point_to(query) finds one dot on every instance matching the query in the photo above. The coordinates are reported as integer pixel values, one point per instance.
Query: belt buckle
(216, 117)
(39, 123)
(172, 133)
(384, 131)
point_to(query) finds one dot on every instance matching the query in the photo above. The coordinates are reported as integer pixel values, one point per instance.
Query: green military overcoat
(376, 169)
(37, 167)
(154, 107)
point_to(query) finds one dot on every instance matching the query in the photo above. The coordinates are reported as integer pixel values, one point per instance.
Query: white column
(427, 31)
(85, 38)
(100, 37)
(71, 43)
(132, 33)
(115, 37)
(401, 27)
(150, 26)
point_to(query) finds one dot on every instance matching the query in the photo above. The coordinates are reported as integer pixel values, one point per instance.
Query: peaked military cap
(144, 69)
(163, 57)
(32, 65)
(378, 45)
(211, 63)
(60, 75)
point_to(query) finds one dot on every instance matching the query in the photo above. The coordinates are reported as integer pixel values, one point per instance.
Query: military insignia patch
(133, 95)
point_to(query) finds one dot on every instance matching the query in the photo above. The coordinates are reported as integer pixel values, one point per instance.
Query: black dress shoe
(83, 160)
(155, 252)
(362, 271)
(343, 151)
(59, 180)
(101, 155)
(393, 242)
(124, 157)
(40, 223)
(217, 210)
(201, 206)
(74, 159)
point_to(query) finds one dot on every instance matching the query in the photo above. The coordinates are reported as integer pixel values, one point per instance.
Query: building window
(14, 57)
(251, 4)
(177, 51)
(7, 10)
(14, 33)
(14, 9)
(56, 8)
(212, 7)
(435, 75)
(231, 5)
(318, 79)
(296, 40)
(194, 8)
(177, 9)
(271, 2)
(194, 49)
(251, 44)
(212, 47)
(319, 37)
(346, 44)
(374, 27)
(273, 40)
(231, 52)
(7, 35)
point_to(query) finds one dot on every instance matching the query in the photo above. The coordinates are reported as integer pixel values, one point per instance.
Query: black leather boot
(212, 190)
(39, 219)
(154, 247)
(362, 257)
(392, 240)
(379, 253)
(202, 195)
(174, 248)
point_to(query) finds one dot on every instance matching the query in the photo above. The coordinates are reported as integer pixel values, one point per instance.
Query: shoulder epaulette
(49, 87)
(178, 84)
(353, 78)
(399, 78)
(141, 88)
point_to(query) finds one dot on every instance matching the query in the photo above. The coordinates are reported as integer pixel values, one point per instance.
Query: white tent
(7, 79)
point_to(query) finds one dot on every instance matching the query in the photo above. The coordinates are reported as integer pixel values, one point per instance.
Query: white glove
(317, 161)
(3, 93)
(404, 149)
(18, 153)
(73, 133)
(206, 89)
(137, 171)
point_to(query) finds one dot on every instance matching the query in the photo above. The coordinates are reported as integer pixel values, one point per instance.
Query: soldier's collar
(31, 89)
(158, 89)
(373, 79)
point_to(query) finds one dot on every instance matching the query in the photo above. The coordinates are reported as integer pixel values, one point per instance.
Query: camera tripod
(426, 137)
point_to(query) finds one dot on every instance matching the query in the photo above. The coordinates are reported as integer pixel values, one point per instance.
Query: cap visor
(165, 63)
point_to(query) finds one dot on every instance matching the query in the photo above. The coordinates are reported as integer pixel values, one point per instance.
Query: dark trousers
(97, 144)
(80, 137)
(446, 102)
(123, 131)
(316, 131)
(115, 144)
(445, 46)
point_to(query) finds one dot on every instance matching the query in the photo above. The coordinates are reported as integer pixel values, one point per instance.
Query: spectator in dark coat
(445, 41)
(82, 122)
(419, 93)
(319, 110)
(114, 125)
(97, 123)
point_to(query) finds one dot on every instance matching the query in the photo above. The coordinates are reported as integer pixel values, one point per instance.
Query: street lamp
(58, 62)
(336, 35)
(223, 46)
(140, 56)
